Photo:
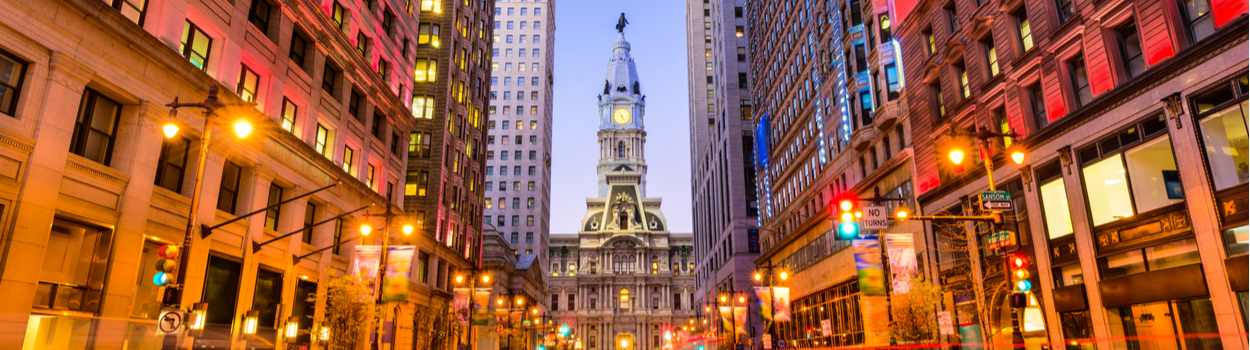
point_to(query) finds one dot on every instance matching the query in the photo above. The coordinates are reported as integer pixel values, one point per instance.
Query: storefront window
(1188, 324)
(1163, 256)
(1077, 330)
(1068, 275)
(221, 289)
(1125, 175)
(1225, 143)
(1236, 239)
(1058, 216)
(74, 265)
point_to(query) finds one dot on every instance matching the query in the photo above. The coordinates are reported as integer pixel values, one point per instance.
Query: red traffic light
(846, 205)
(1018, 261)
(168, 251)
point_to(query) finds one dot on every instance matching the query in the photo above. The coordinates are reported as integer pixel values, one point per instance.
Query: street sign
(995, 200)
(875, 218)
(945, 324)
(170, 321)
(781, 344)
(1002, 239)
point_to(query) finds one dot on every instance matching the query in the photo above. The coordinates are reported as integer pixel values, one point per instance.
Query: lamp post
(389, 214)
(208, 107)
(766, 277)
(473, 277)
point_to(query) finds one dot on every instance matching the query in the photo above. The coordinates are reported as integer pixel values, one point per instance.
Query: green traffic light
(848, 230)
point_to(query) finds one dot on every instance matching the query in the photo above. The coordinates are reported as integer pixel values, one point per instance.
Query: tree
(914, 312)
(976, 295)
(349, 314)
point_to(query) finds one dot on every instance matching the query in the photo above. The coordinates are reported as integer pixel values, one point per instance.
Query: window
(349, 158)
(248, 82)
(423, 107)
(271, 215)
(384, 70)
(329, 78)
(132, 9)
(1068, 275)
(427, 34)
(1056, 214)
(1130, 173)
(96, 127)
(310, 218)
(1037, 104)
(952, 18)
(258, 15)
(1167, 255)
(268, 297)
(991, 56)
(395, 148)
(426, 70)
(362, 44)
(1067, 9)
(1080, 81)
(354, 106)
(195, 45)
(10, 82)
(423, 183)
(370, 177)
(435, 6)
(377, 128)
(529, 203)
(172, 164)
(1221, 115)
(1197, 17)
(338, 15)
(932, 47)
(299, 48)
(1024, 30)
(228, 193)
(891, 79)
(529, 236)
(857, 16)
(861, 60)
(321, 140)
(939, 104)
(886, 36)
(289, 111)
(221, 286)
(388, 22)
(1131, 50)
(961, 72)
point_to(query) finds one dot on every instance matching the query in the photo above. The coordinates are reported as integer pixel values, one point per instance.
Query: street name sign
(995, 200)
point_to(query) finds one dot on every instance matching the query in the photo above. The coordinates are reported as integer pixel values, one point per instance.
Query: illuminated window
(289, 111)
(195, 45)
(249, 82)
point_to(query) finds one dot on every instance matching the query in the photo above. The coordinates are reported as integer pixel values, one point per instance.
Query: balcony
(888, 114)
(862, 137)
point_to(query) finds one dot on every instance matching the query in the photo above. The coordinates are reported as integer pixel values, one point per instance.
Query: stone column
(1205, 220)
(35, 206)
(1085, 248)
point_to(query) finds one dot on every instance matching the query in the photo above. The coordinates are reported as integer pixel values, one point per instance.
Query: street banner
(740, 319)
(398, 272)
(868, 264)
(726, 318)
(764, 298)
(481, 300)
(902, 252)
(365, 265)
(781, 305)
(460, 303)
(876, 320)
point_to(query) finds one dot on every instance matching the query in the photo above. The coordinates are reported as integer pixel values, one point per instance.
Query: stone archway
(623, 341)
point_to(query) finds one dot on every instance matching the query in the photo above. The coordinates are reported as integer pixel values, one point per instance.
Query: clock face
(621, 116)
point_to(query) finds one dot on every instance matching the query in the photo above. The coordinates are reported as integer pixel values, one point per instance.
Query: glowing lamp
(758, 276)
(486, 279)
(957, 156)
(459, 279)
(846, 205)
(784, 275)
(407, 230)
(250, 321)
(742, 299)
(160, 278)
(1024, 285)
(902, 214)
(242, 128)
(847, 217)
(292, 327)
(1017, 157)
(170, 129)
(325, 334)
(365, 229)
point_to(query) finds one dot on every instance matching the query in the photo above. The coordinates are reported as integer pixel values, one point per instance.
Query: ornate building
(623, 280)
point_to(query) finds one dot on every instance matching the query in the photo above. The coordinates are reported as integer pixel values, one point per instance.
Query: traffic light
(847, 220)
(1018, 265)
(166, 265)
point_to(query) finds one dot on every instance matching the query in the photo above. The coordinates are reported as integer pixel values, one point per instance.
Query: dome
(621, 75)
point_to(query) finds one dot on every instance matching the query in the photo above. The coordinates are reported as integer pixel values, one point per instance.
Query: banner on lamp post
(868, 265)
(764, 298)
(481, 300)
(740, 319)
(460, 303)
(365, 262)
(726, 318)
(398, 273)
(899, 247)
(781, 304)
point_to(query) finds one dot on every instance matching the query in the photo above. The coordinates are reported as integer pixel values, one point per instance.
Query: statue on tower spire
(620, 23)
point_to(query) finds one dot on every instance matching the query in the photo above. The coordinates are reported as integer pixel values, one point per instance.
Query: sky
(585, 30)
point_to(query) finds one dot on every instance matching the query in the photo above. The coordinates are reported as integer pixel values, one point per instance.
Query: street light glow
(171, 129)
(365, 229)
(459, 279)
(1017, 157)
(407, 230)
(957, 156)
(242, 128)
(784, 275)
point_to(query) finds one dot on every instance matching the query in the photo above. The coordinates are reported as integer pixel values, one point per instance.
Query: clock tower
(621, 109)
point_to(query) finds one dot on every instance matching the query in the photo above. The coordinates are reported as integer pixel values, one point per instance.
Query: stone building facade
(623, 279)
(1130, 197)
(92, 187)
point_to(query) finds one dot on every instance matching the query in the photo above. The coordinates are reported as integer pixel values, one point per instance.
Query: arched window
(624, 298)
(620, 149)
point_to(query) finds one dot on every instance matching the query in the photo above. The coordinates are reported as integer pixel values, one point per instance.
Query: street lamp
(460, 279)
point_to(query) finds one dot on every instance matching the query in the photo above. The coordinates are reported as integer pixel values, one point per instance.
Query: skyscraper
(518, 148)
(623, 280)
(445, 156)
(721, 155)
